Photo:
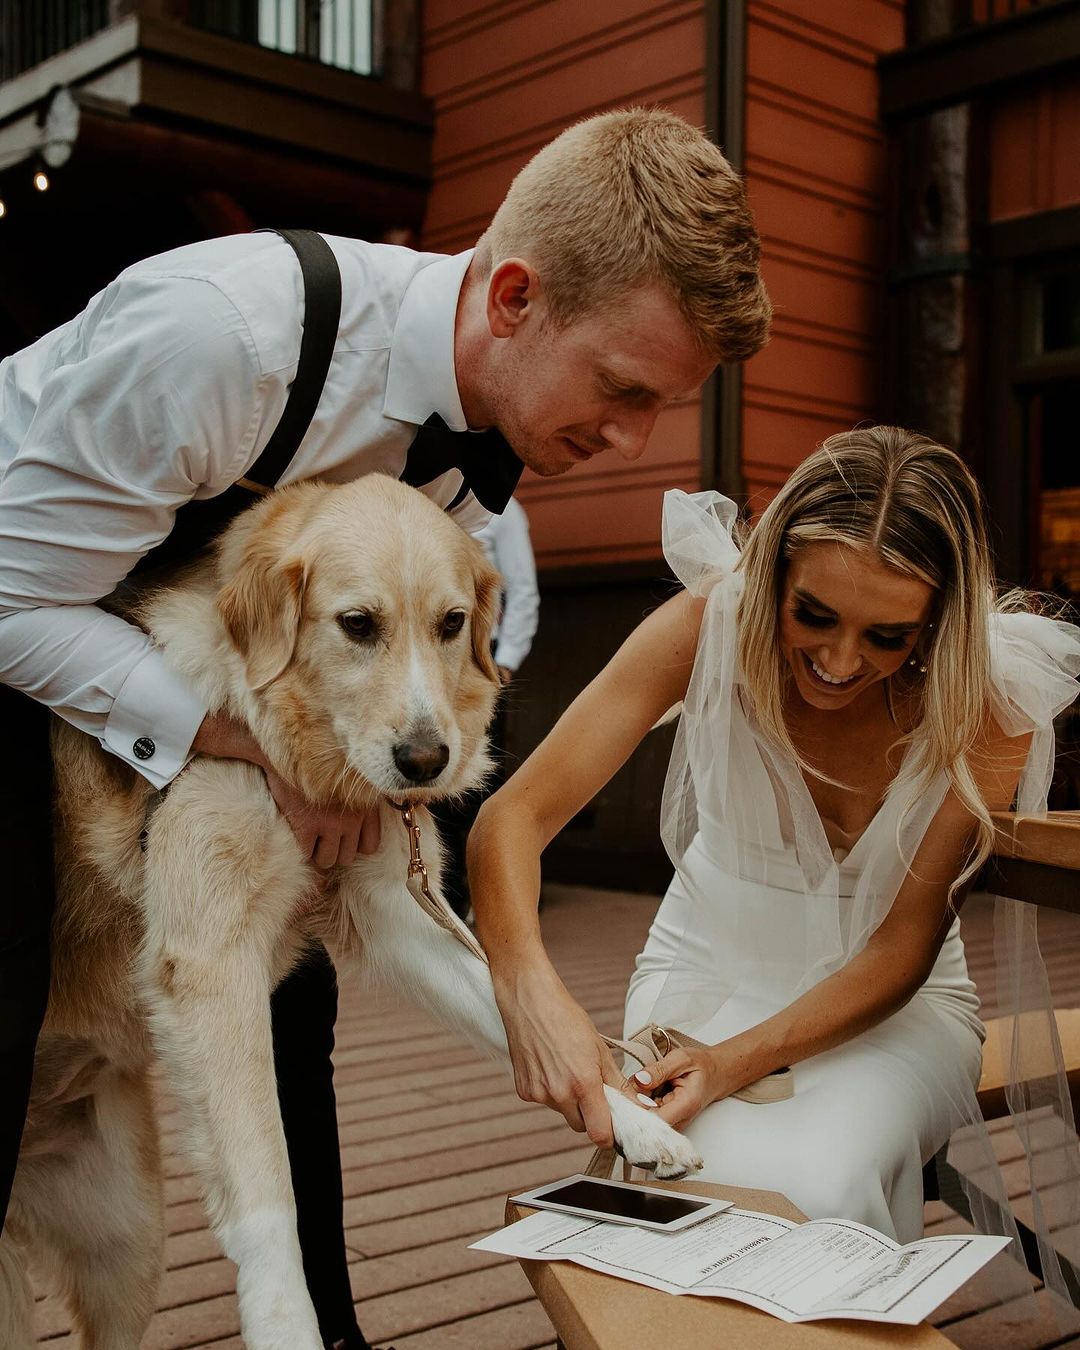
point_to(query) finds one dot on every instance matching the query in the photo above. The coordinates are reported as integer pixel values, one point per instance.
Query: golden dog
(349, 627)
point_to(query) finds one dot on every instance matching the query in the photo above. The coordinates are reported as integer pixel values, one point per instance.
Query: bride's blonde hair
(915, 506)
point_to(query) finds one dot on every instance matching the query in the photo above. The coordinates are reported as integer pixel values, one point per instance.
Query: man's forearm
(106, 678)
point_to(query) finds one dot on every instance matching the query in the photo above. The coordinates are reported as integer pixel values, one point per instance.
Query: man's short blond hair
(630, 198)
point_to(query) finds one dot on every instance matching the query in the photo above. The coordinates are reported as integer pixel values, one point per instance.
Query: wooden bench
(996, 1051)
(591, 1311)
(1036, 861)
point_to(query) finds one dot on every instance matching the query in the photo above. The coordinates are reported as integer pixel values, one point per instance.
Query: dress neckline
(849, 851)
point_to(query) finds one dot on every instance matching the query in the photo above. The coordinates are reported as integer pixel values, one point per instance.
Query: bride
(855, 703)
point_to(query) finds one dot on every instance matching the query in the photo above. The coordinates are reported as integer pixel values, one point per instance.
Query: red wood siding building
(507, 78)
(815, 165)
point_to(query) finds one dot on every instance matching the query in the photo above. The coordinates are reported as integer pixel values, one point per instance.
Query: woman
(855, 703)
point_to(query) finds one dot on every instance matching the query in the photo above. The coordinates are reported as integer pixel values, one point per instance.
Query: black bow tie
(489, 467)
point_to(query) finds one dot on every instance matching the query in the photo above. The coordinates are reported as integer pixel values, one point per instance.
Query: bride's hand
(557, 1054)
(685, 1082)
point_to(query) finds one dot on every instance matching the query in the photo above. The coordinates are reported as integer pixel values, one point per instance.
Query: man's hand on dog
(329, 837)
(558, 1057)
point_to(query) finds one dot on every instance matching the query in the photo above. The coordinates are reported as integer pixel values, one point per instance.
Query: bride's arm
(875, 983)
(557, 1055)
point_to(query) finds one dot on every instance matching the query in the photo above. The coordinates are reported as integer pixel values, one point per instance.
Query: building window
(1053, 437)
(1049, 386)
(31, 33)
(1059, 312)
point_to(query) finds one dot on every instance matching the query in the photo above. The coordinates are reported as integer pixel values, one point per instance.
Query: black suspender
(198, 523)
(322, 314)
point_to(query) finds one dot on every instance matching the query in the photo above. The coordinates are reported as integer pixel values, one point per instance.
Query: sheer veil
(737, 799)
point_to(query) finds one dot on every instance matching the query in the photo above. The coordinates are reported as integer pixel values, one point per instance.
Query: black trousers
(303, 1010)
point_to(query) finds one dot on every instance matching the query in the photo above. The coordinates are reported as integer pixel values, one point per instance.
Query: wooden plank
(432, 1150)
(1039, 1065)
(1053, 840)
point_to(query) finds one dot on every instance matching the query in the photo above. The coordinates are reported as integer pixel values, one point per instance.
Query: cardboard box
(591, 1311)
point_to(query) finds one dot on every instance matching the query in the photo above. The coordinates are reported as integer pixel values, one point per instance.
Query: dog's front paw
(646, 1140)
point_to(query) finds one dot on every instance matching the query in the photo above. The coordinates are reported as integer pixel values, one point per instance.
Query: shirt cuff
(153, 721)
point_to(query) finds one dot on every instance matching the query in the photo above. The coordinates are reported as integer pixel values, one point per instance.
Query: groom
(621, 267)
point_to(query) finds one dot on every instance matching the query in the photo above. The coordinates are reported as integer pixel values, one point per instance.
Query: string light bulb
(3, 208)
(41, 180)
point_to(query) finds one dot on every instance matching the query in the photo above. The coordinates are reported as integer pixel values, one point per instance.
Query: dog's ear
(261, 606)
(488, 587)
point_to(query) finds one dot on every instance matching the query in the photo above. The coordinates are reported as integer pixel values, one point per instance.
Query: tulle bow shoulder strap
(698, 541)
(1034, 664)
(702, 552)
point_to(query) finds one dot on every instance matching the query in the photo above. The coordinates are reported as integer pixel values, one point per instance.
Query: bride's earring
(914, 661)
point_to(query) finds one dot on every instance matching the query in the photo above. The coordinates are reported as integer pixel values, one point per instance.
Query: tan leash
(648, 1046)
(430, 900)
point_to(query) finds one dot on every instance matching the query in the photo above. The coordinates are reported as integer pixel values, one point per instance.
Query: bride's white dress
(852, 1140)
(761, 908)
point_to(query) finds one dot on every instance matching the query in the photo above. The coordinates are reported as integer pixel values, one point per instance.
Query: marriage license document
(798, 1272)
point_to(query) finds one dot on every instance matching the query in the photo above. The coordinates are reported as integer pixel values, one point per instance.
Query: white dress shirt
(167, 387)
(506, 542)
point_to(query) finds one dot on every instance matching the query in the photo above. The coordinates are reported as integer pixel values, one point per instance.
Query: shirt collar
(420, 376)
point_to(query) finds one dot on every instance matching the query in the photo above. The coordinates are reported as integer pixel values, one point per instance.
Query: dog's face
(364, 617)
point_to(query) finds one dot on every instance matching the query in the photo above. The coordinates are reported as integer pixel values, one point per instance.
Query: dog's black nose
(421, 760)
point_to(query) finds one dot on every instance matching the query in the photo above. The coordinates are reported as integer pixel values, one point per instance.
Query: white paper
(798, 1272)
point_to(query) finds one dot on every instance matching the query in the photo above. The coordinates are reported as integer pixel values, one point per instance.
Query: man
(505, 540)
(620, 268)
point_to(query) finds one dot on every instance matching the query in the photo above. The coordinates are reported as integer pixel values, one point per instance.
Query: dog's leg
(405, 950)
(94, 1215)
(212, 1024)
(16, 1302)
(221, 886)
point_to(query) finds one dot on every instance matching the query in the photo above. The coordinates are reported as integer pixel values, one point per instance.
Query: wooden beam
(979, 60)
(1041, 232)
(1037, 859)
(253, 175)
(155, 69)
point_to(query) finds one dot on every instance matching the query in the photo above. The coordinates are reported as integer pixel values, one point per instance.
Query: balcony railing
(333, 32)
(33, 30)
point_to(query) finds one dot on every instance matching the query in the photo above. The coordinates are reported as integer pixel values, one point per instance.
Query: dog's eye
(357, 624)
(452, 624)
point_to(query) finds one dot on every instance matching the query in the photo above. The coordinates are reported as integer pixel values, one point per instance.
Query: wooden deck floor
(433, 1138)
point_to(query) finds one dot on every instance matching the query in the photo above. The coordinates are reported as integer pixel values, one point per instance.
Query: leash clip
(418, 884)
(417, 866)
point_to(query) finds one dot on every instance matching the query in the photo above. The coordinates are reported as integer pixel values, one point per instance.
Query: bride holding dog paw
(855, 702)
